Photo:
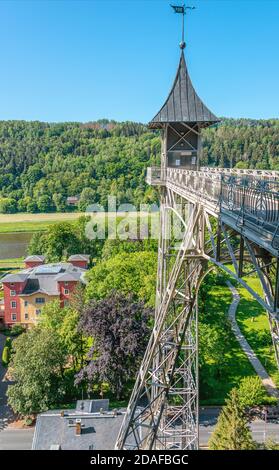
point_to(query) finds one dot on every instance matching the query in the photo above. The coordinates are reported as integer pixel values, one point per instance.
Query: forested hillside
(244, 143)
(42, 164)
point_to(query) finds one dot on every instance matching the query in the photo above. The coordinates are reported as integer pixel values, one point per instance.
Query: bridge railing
(250, 196)
(255, 201)
(270, 174)
(203, 184)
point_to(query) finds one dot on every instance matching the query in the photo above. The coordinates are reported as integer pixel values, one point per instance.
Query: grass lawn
(35, 226)
(11, 263)
(11, 223)
(253, 322)
(218, 301)
(15, 227)
(24, 222)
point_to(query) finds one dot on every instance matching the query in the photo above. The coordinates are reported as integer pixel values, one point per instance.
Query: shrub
(17, 329)
(28, 421)
(6, 356)
(8, 342)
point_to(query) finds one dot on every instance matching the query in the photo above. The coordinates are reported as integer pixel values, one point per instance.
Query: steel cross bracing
(222, 218)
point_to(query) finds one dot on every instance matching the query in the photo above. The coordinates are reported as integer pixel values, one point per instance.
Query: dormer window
(13, 293)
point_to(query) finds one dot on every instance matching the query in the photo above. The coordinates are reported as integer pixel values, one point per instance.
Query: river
(14, 245)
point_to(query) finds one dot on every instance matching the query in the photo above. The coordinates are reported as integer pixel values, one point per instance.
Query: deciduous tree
(119, 330)
(37, 368)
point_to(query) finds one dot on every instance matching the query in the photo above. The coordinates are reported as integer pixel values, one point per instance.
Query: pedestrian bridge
(246, 200)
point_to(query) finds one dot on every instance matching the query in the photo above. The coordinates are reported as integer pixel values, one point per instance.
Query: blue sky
(68, 60)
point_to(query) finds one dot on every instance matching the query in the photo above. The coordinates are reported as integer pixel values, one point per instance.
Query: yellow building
(31, 307)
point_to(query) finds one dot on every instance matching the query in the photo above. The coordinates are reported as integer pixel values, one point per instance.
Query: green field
(11, 223)
(33, 222)
(11, 263)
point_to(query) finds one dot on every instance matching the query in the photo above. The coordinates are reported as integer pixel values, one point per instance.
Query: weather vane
(182, 10)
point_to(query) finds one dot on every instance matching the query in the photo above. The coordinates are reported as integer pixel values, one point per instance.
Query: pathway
(259, 368)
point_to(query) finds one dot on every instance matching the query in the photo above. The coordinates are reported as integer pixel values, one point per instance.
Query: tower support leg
(163, 409)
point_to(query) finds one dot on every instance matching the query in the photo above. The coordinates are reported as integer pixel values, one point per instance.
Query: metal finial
(182, 10)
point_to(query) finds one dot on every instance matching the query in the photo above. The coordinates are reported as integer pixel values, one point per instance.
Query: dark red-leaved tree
(119, 328)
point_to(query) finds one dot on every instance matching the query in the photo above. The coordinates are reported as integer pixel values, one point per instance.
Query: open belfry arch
(208, 217)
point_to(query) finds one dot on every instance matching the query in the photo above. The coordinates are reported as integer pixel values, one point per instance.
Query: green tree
(59, 202)
(251, 392)
(114, 247)
(37, 243)
(127, 273)
(64, 239)
(44, 203)
(22, 204)
(232, 431)
(32, 207)
(64, 321)
(87, 197)
(8, 205)
(58, 242)
(37, 367)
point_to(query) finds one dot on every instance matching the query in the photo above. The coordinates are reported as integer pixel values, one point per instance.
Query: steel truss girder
(162, 413)
(163, 408)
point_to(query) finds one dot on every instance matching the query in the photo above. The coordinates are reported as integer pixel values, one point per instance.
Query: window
(40, 300)
(25, 303)
(66, 291)
(177, 162)
(13, 293)
(26, 316)
(38, 312)
(66, 302)
(13, 304)
(13, 316)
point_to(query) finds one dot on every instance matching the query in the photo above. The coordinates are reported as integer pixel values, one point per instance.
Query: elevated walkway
(245, 200)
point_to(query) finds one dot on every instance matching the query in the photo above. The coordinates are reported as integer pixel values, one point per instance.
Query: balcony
(154, 176)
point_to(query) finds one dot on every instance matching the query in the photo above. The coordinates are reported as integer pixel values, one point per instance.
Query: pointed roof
(35, 258)
(183, 104)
